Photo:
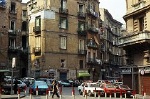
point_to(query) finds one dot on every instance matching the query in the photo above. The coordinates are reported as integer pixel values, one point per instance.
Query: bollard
(133, 94)
(37, 90)
(85, 94)
(125, 94)
(47, 93)
(105, 92)
(0, 92)
(115, 93)
(60, 90)
(95, 93)
(110, 94)
(73, 92)
(30, 93)
(120, 94)
(18, 93)
(99, 94)
(25, 90)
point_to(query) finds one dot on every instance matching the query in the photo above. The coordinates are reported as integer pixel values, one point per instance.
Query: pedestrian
(55, 89)
(15, 86)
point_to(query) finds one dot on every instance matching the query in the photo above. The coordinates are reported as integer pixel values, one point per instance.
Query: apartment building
(136, 44)
(11, 38)
(111, 54)
(63, 38)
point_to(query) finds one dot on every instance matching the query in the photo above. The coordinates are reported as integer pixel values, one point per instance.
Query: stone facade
(11, 36)
(62, 48)
(136, 44)
(111, 54)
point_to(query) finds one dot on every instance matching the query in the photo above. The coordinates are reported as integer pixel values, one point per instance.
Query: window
(38, 21)
(63, 41)
(24, 13)
(63, 63)
(81, 26)
(141, 23)
(81, 64)
(38, 41)
(13, 7)
(81, 8)
(81, 44)
(24, 26)
(12, 25)
(63, 4)
(12, 43)
(63, 23)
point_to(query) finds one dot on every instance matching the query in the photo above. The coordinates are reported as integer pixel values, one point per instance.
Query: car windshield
(94, 85)
(124, 86)
(110, 86)
(40, 83)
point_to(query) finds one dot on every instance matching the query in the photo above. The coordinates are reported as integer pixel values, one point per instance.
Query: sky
(117, 8)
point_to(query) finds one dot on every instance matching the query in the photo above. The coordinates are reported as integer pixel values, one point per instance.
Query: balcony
(12, 11)
(2, 6)
(12, 32)
(82, 52)
(92, 13)
(81, 15)
(63, 10)
(92, 44)
(12, 49)
(37, 49)
(135, 38)
(139, 5)
(37, 29)
(81, 32)
(92, 29)
(92, 61)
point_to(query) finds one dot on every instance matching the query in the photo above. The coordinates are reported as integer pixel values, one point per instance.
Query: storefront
(83, 75)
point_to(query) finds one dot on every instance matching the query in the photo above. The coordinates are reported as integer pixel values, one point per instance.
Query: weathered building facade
(63, 38)
(136, 44)
(111, 54)
(11, 37)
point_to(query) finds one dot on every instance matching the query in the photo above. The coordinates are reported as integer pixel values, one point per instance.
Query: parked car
(127, 89)
(42, 87)
(49, 83)
(110, 88)
(64, 83)
(90, 88)
(7, 86)
(28, 80)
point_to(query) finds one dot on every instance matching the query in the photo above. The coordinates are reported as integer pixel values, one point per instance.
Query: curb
(15, 97)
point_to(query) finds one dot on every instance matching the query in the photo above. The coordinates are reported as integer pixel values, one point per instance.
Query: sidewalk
(14, 96)
(141, 97)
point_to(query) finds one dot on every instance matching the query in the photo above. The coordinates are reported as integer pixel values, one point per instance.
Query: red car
(110, 88)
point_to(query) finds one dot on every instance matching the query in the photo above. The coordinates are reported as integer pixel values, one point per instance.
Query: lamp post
(12, 73)
(93, 70)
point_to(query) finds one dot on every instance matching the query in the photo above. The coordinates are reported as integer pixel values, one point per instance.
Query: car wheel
(80, 92)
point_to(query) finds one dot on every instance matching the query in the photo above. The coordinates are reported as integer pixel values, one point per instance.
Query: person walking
(15, 86)
(55, 89)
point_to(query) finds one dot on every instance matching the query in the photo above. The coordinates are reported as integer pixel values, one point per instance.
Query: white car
(90, 88)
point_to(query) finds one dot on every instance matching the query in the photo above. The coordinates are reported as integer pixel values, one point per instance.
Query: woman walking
(55, 89)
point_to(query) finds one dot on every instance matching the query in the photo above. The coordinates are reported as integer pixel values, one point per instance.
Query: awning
(83, 74)
(4, 71)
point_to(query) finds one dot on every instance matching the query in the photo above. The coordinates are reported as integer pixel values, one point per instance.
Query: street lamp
(13, 65)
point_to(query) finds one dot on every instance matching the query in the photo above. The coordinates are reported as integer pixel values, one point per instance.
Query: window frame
(61, 23)
(63, 42)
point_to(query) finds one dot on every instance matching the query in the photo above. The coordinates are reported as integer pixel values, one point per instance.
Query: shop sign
(126, 71)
